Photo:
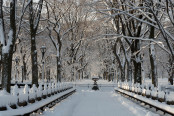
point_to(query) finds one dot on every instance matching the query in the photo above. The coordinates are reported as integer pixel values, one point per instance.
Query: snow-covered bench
(149, 91)
(149, 95)
(27, 110)
(26, 95)
(152, 103)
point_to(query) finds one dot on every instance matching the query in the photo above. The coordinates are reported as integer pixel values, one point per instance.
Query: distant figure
(95, 87)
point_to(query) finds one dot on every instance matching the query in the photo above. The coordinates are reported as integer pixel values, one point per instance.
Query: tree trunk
(0, 62)
(82, 74)
(79, 75)
(171, 61)
(137, 72)
(24, 65)
(7, 52)
(58, 70)
(6, 71)
(22, 74)
(153, 58)
(142, 74)
(136, 61)
(34, 61)
(1, 69)
(121, 65)
(122, 74)
(118, 74)
(153, 66)
(34, 18)
(129, 72)
(48, 76)
(25, 71)
(106, 75)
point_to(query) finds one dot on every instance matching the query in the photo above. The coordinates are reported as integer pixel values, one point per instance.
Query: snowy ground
(105, 102)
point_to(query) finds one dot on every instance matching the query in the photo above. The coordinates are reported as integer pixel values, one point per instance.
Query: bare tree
(8, 44)
(34, 18)
(56, 31)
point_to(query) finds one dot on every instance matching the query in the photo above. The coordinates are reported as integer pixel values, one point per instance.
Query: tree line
(140, 27)
(22, 22)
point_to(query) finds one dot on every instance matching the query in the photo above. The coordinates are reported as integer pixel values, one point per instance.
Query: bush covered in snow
(136, 89)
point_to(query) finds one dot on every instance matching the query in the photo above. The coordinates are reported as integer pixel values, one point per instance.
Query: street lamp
(43, 50)
(17, 63)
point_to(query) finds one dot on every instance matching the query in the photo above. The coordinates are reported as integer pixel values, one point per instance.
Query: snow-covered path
(105, 102)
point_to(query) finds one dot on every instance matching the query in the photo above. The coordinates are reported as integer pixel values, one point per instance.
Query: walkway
(105, 102)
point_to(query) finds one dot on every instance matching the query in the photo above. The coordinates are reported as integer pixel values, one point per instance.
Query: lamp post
(43, 50)
(17, 63)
